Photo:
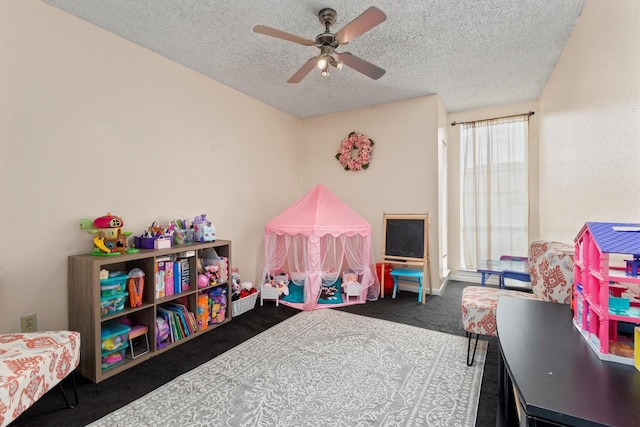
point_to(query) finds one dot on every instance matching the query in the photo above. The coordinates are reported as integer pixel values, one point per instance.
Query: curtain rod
(530, 113)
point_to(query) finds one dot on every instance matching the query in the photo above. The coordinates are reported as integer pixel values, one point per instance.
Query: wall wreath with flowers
(355, 151)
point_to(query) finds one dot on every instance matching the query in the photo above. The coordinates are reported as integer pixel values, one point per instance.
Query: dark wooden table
(548, 367)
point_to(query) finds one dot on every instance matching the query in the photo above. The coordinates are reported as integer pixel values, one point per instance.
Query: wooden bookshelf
(85, 303)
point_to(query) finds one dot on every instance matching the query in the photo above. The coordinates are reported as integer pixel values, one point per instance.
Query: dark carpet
(440, 313)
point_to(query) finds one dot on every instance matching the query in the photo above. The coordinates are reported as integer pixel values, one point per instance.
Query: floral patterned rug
(323, 368)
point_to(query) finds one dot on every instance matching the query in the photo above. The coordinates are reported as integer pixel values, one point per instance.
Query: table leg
(506, 396)
(484, 278)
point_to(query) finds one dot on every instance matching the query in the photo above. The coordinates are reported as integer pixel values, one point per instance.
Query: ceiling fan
(327, 42)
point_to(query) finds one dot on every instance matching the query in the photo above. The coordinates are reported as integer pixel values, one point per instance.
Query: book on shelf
(193, 321)
(160, 276)
(167, 318)
(185, 272)
(183, 316)
(168, 278)
(177, 331)
(177, 277)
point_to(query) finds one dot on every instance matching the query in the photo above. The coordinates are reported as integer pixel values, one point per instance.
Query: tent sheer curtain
(313, 259)
(494, 189)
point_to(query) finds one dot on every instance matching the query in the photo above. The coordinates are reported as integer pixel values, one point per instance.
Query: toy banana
(99, 243)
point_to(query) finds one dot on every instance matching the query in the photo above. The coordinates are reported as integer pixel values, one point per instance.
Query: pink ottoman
(30, 365)
(479, 305)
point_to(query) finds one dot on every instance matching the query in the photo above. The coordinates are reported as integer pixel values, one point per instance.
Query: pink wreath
(355, 152)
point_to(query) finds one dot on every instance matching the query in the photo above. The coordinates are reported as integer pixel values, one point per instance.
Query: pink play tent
(314, 241)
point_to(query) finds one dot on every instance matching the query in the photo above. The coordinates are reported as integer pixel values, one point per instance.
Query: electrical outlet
(29, 323)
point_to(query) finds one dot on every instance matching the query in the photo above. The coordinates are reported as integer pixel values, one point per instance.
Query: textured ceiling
(473, 53)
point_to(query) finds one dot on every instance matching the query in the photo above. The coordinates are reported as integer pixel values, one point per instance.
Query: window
(494, 189)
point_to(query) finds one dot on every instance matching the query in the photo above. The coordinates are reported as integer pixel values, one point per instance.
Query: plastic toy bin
(114, 285)
(114, 338)
(112, 303)
(144, 242)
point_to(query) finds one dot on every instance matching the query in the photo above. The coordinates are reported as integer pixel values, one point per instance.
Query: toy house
(606, 290)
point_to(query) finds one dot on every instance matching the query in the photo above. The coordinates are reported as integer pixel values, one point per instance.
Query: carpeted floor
(440, 313)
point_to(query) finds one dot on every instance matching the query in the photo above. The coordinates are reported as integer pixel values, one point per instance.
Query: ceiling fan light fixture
(325, 71)
(336, 64)
(323, 62)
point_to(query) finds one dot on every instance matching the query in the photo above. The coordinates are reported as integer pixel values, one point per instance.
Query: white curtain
(494, 189)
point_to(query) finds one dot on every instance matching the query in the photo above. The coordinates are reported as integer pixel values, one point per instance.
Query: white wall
(403, 173)
(91, 123)
(590, 124)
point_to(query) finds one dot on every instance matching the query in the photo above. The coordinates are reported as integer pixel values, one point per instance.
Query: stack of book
(181, 321)
(173, 275)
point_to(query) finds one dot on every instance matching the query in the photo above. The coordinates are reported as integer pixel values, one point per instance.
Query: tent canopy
(319, 212)
(318, 237)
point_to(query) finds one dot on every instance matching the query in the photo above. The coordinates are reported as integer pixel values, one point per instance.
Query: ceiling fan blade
(268, 31)
(363, 23)
(359, 64)
(303, 71)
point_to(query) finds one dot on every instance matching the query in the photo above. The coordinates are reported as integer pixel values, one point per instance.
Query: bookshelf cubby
(84, 293)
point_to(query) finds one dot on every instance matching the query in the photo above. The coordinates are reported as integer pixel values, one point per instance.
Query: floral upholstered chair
(33, 363)
(551, 271)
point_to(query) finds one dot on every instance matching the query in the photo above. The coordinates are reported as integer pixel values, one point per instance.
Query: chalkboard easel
(406, 242)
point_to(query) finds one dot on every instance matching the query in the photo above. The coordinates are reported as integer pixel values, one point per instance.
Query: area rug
(322, 368)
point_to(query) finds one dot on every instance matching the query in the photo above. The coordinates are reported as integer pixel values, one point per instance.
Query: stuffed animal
(282, 286)
(247, 289)
(329, 292)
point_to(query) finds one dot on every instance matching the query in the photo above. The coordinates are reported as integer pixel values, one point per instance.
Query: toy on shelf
(155, 236)
(212, 266)
(139, 341)
(203, 281)
(217, 304)
(202, 314)
(135, 283)
(109, 238)
(203, 229)
(211, 271)
(163, 333)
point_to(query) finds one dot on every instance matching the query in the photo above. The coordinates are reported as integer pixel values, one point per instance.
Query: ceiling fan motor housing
(327, 17)
(327, 39)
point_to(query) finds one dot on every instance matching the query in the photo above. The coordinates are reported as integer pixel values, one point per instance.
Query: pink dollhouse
(606, 290)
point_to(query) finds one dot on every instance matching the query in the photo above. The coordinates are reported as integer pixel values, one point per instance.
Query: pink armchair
(551, 272)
